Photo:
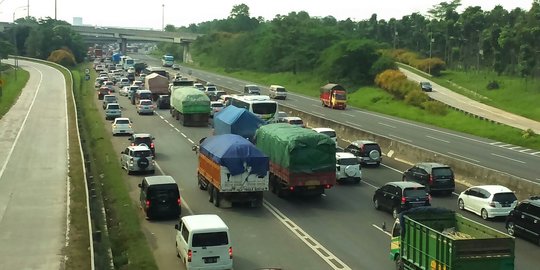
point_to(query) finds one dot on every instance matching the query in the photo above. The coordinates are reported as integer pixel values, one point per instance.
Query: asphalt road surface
(33, 173)
(339, 230)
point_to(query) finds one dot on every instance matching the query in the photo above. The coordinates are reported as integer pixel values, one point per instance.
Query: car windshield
(264, 108)
(210, 239)
(504, 197)
(280, 89)
(426, 84)
(113, 107)
(418, 192)
(254, 88)
(122, 121)
(146, 102)
(442, 172)
(347, 161)
(340, 96)
(142, 153)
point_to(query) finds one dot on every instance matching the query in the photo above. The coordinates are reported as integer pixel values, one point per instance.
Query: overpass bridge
(124, 35)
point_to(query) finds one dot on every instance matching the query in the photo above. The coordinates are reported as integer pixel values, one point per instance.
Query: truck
(190, 106)
(239, 121)
(437, 238)
(334, 96)
(301, 160)
(232, 170)
(116, 58)
(167, 60)
(157, 84)
(98, 53)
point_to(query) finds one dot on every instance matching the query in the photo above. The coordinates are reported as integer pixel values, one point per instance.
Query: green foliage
(416, 98)
(383, 63)
(6, 48)
(529, 133)
(435, 107)
(493, 85)
(62, 57)
(13, 85)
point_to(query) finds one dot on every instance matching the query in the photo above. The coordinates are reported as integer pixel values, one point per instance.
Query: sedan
(488, 201)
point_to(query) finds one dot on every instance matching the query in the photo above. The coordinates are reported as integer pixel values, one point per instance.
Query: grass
(14, 82)
(375, 99)
(129, 247)
(516, 95)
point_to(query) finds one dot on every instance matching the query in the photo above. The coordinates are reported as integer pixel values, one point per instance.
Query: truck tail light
(230, 253)
(189, 255)
(429, 197)
(291, 188)
(152, 145)
(179, 201)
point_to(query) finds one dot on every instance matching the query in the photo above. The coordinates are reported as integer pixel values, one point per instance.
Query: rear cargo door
(210, 249)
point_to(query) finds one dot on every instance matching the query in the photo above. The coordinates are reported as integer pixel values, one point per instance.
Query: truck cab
(333, 96)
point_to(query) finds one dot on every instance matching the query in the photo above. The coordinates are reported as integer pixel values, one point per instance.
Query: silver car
(113, 111)
(145, 106)
(137, 159)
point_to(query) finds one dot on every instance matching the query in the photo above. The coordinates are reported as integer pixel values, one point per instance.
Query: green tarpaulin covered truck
(427, 238)
(301, 160)
(190, 106)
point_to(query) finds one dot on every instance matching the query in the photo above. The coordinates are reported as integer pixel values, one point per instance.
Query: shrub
(529, 133)
(492, 85)
(435, 107)
(416, 98)
(63, 57)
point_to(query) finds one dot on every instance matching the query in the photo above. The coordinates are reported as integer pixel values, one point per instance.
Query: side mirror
(130, 139)
(139, 185)
(121, 152)
(194, 148)
(176, 227)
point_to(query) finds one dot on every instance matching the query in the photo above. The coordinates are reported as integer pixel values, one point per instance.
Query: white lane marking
(460, 156)
(191, 141)
(380, 229)
(399, 138)
(348, 114)
(23, 124)
(315, 105)
(435, 138)
(184, 203)
(516, 160)
(166, 121)
(514, 148)
(496, 143)
(354, 124)
(525, 150)
(503, 145)
(161, 117)
(333, 261)
(170, 124)
(391, 168)
(387, 125)
(176, 129)
(318, 114)
(535, 153)
(183, 134)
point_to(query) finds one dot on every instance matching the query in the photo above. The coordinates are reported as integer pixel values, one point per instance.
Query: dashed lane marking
(184, 135)
(354, 124)
(400, 138)
(381, 229)
(348, 114)
(386, 125)
(437, 139)
(460, 156)
(191, 141)
(512, 159)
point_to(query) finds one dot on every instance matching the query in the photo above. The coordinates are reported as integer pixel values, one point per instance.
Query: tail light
(189, 255)
(327, 186)
(429, 197)
(403, 200)
(147, 203)
(132, 144)
(430, 179)
(291, 188)
(152, 145)
(179, 201)
(230, 253)
(492, 204)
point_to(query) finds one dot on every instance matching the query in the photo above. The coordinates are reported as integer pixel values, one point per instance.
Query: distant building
(77, 21)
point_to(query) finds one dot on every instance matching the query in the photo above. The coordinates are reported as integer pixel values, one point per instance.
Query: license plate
(210, 260)
(122, 131)
(311, 187)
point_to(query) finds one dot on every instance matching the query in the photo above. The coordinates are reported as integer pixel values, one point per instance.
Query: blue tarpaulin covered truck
(239, 121)
(232, 169)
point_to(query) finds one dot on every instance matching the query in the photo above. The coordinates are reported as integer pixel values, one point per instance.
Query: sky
(152, 13)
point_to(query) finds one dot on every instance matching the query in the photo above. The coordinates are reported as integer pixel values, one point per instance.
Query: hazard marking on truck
(334, 262)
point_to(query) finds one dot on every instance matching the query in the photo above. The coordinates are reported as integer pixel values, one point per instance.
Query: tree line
(507, 42)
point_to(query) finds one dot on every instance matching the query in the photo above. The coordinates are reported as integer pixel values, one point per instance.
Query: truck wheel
(399, 263)
(216, 194)
(211, 193)
(395, 212)
(201, 186)
(376, 204)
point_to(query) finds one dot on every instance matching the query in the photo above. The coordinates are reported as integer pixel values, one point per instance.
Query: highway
(33, 173)
(340, 230)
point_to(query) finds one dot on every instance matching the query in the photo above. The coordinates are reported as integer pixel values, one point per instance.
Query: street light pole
(28, 8)
(430, 46)
(55, 9)
(162, 17)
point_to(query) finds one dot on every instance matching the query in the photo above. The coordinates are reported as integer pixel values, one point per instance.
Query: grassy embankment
(12, 88)
(377, 100)
(130, 250)
(515, 94)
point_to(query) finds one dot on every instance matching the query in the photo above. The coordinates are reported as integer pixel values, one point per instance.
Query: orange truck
(334, 96)
(232, 169)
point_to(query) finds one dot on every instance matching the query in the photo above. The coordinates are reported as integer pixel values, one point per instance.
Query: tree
(6, 48)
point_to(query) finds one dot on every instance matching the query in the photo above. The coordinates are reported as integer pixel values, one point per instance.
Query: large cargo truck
(232, 169)
(157, 84)
(190, 106)
(301, 160)
(239, 121)
(428, 238)
(334, 96)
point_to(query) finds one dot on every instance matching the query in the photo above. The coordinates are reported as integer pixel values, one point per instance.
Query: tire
(376, 204)
(461, 204)
(177, 254)
(143, 163)
(399, 263)
(395, 212)
(374, 155)
(215, 193)
(484, 214)
(511, 228)
(201, 187)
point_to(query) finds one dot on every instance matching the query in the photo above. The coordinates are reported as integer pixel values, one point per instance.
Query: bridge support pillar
(122, 42)
(186, 57)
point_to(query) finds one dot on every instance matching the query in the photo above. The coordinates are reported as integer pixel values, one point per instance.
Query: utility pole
(430, 46)
(55, 9)
(28, 8)
(162, 17)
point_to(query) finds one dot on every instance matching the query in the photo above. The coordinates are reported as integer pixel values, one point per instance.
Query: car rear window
(122, 122)
(142, 153)
(164, 192)
(210, 239)
(332, 134)
(146, 102)
(418, 192)
(442, 172)
(216, 104)
(279, 89)
(113, 107)
(369, 147)
(144, 140)
(347, 161)
(504, 197)
(296, 122)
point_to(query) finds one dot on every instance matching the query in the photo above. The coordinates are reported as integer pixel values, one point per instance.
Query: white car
(145, 106)
(294, 120)
(327, 131)
(280, 116)
(124, 82)
(140, 84)
(216, 107)
(122, 125)
(488, 201)
(347, 168)
(124, 91)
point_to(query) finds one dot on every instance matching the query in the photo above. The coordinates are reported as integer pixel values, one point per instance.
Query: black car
(524, 220)
(160, 197)
(144, 138)
(367, 152)
(435, 177)
(400, 196)
(163, 102)
(426, 86)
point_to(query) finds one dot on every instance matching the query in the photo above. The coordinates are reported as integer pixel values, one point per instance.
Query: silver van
(203, 242)
(277, 92)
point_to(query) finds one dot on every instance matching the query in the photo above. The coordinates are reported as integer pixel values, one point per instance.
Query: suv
(112, 111)
(144, 139)
(294, 120)
(347, 168)
(488, 201)
(163, 102)
(109, 99)
(426, 86)
(252, 89)
(368, 152)
(327, 131)
(159, 196)
(145, 106)
(525, 219)
(137, 159)
(435, 176)
(400, 196)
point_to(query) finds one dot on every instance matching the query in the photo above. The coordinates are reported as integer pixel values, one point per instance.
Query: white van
(203, 242)
(277, 91)
(327, 131)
